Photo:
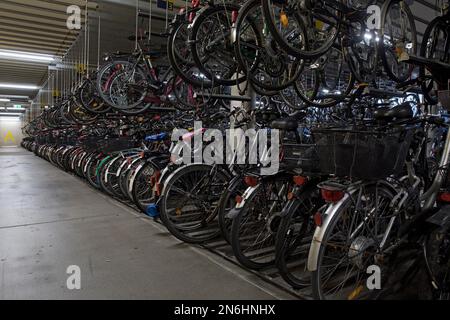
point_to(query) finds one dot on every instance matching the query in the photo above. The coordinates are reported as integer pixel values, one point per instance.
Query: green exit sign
(17, 106)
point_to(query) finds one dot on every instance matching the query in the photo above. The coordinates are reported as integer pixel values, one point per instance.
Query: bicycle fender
(164, 174)
(247, 194)
(233, 213)
(319, 233)
(291, 205)
(134, 175)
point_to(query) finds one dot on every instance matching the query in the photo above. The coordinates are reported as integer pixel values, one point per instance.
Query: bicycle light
(299, 180)
(331, 195)
(318, 220)
(251, 181)
(444, 197)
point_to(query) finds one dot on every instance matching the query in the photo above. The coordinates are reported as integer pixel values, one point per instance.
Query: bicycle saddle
(156, 137)
(153, 54)
(139, 38)
(402, 111)
(120, 54)
(287, 124)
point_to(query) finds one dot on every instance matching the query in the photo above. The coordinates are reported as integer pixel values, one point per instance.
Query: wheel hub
(358, 249)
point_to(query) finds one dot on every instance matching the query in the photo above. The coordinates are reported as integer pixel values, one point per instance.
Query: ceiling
(39, 26)
(33, 26)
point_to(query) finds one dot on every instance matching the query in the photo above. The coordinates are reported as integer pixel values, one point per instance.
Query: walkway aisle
(50, 220)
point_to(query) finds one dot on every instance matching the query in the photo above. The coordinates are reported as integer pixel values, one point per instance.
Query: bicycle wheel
(100, 173)
(349, 240)
(128, 88)
(180, 55)
(327, 81)
(256, 224)
(80, 115)
(189, 202)
(125, 175)
(122, 84)
(438, 260)
(285, 20)
(91, 171)
(211, 45)
(142, 189)
(261, 59)
(113, 176)
(398, 37)
(90, 99)
(227, 202)
(294, 237)
(190, 97)
(292, 99)
(433, 45)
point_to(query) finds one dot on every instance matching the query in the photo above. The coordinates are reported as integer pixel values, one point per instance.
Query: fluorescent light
(326, 91)
(16, 109)
(14, 97)
(19, 55)
(18, 86)
(10, 114)
(4, 100)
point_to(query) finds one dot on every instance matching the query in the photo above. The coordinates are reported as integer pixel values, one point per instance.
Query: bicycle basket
(90, 144)
(302, 157)
(117, 144)
(365, 154)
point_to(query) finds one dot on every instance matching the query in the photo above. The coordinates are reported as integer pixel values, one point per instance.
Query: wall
(10, 131)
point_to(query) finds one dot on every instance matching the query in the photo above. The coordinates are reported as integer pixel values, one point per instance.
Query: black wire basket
(117, 144)
(366, 153)
(301, 157)
(91, 144)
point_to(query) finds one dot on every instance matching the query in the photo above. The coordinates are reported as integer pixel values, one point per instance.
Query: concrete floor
(50, 220)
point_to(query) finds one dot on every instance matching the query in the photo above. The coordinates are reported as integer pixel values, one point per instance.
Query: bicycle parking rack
(271, 275)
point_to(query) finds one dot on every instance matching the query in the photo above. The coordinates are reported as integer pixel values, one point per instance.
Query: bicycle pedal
(441, 218)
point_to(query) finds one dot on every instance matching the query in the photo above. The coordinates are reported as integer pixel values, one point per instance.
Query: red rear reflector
(157, 189)
(444, 197)
(299, 180)
(238, 199)
(332, 195)
(251, 181)
(191, 17)
(234, 16)
(318, 219)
